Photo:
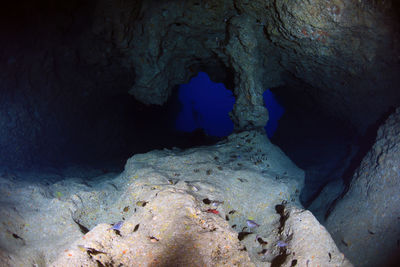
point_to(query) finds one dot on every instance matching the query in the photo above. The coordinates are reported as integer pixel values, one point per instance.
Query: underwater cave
(200, 133)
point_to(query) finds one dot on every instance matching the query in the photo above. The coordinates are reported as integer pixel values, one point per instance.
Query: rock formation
(233, 203)
(365, 223)
(344, 54)
(80, 79)
(177, 234)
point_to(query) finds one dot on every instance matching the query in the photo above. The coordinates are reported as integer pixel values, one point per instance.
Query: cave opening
(319, 143)
(205, 105)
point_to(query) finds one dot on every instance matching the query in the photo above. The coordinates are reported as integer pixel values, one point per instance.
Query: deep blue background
(206, 105)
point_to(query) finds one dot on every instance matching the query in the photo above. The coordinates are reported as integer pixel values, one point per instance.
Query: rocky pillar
(249, 111)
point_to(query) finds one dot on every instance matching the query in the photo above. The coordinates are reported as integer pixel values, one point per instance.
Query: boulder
(365, 223)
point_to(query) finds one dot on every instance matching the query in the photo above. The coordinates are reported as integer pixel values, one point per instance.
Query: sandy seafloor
(244, 177)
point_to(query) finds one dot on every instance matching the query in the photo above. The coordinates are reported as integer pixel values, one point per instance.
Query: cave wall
(55, 77)
(59, 61)
(365, 221)
(346, 52)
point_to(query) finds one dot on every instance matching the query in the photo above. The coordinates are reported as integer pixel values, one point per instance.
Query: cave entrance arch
(205, 105)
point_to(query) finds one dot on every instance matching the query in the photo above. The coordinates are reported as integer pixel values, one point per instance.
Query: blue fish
(252, 224)
(117, 226)
(281, 244)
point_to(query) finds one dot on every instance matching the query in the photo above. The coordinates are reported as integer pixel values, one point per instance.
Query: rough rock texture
(176, 39)
(311, 242)
(365, 224)
(171, 230)
(35, 217)
(345, 53)
(324, 201)
(195, 200)
(246, 172)
(182, 234)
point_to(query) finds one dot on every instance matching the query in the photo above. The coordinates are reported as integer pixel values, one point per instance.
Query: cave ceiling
(343, 53)
(346, 53)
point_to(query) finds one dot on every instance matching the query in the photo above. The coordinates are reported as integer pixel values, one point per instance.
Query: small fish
(252, 224)
(90, 251)
(212, 211)
(281, 244)
(117, 226)
(17, 236)
(206, 201)
(369, 231)
(216, 203)
(261, 241)
(243, 234)
(141, 203)
(154, 239)
(262, 252)
(194, 188)
(82, 248)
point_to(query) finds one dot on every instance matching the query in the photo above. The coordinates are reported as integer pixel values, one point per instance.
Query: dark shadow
(275, 112)
(180, 253)
(366, 143)
(314, 140)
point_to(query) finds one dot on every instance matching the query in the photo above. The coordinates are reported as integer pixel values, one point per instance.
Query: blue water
(206, 104)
